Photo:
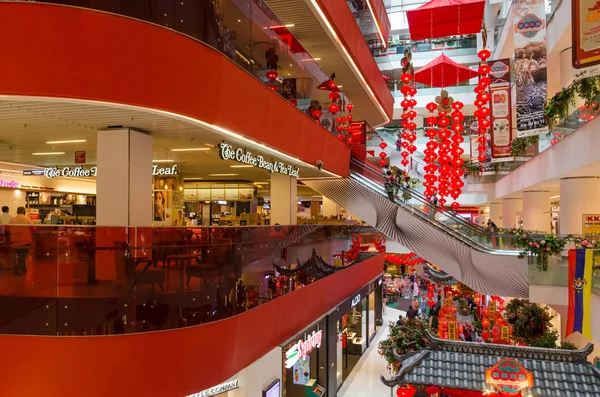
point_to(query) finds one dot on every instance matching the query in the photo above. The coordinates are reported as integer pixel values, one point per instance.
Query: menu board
(203, 194)
(190, 194)
(231, 194)
(217, 194)
(246, 194)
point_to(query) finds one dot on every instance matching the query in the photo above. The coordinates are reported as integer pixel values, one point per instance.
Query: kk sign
(591, 225)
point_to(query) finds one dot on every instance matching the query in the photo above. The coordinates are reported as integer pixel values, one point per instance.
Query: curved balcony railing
(242, 30)
(108, 280)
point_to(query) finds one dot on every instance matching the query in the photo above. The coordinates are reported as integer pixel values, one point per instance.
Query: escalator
(486, 262)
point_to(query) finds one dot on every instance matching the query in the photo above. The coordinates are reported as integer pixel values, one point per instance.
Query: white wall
(257, 376)
(13, 198)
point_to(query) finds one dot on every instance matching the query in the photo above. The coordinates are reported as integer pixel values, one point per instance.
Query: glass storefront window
(371, 329)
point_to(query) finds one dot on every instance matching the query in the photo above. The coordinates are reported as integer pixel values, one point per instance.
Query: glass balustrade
(76, 280)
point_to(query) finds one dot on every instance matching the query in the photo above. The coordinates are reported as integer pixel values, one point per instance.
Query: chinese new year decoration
(509, 377)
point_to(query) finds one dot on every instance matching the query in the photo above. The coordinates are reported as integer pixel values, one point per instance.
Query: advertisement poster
(302, 371)
(530, 66)
(500, 106)
(586, 34)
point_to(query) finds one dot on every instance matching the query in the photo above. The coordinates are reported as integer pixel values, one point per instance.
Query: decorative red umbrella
(444, 72)
(441, 18)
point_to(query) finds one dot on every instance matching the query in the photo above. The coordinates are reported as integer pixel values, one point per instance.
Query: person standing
(5, 217)
(389, 185)
(21, 239)
(434, 205)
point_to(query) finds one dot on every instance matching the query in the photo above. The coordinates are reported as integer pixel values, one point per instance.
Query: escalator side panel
(491, 274)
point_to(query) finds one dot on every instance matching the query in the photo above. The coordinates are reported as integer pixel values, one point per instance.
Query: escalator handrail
(448, 230)
(423, 200)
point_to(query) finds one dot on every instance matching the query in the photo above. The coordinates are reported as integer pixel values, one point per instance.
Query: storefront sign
(10, 184)
(228, 152)
(355, 301)
(303, 348)
(80, 172)
(509, 377)
(530, 66)
(585, 33)
(216, 390)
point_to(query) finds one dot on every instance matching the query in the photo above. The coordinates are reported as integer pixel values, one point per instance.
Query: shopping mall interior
(293, 198)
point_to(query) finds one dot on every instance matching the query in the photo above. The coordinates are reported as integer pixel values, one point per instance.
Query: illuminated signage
(228, 152)
(80, 172)
(10, 184)
(508, 377)
(303, 348)
(355, 301)
(216, 390)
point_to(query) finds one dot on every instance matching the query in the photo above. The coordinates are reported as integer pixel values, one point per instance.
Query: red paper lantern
(430, 304)
(349, 107)
(485, 334)
(342, 137)
(431, 106)
(333, 108)
(406, 78)
(293, 102)
(271, 75)
(485, 322)
(484, 54)
(406, 391)
(383, 145)
(316, 114)
(381, 162)
(383, 155)
(273, 87)
(334, 95)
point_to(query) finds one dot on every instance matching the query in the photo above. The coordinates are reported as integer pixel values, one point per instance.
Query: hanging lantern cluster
(430, 153)
(444, 107)
(430, 295)
(409, 134)
(456, 151)
(383, 155)
(483, 97)
(344, 117)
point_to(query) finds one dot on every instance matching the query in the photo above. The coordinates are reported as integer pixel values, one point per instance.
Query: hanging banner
(500, 106)
(530, 66)
(586, 35)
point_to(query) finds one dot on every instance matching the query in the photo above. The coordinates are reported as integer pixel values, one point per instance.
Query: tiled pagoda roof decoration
(315, 267)
(438, 276)
(462, 365)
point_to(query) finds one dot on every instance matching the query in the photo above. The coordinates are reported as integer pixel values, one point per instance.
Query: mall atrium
(288, 198)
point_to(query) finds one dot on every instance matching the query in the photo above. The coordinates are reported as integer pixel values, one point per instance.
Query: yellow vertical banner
(505, 333)
(492, 307)
(452, 330)
(448, 302)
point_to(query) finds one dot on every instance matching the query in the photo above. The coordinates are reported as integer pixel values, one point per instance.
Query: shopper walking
(5, 217)
(389, 185)
(21, 239)
(398, 182)
(406, 196)
(434, 205)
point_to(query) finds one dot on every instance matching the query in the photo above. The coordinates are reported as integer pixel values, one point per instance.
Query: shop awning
(462, 365)
(441, 18)
(444, 72)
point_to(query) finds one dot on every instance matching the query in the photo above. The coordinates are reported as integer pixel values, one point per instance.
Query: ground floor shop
(318, 360)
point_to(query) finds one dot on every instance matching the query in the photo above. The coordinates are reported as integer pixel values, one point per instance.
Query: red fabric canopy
(444, 72)
(441, 18)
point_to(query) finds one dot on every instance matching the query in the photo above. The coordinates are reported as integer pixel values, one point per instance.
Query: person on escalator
(434, 206)
(405, 190)
(389, 185)
(397, 182)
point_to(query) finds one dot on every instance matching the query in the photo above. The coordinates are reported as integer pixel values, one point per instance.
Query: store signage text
(216, 390)
(355, 301)
(80, 172)
(11, 184)
(227, 152)
(303, 348)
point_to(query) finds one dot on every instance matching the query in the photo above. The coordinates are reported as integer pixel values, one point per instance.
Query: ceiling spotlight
(192, 149)
(71, 141)
(163, 161)
(48, 153)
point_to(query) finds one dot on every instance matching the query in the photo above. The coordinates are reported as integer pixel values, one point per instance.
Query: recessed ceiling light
(71, 141)
(340, 86)
(48, 153)
(241, 166)
(209, 145)
(289, 25)
(192, 149)
(317, 59)
(163, 161)
(222, 174)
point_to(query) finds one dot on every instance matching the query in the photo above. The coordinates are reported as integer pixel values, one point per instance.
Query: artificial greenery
(529, 321)
(568, 345)
(472, 168)
(519, 146)
(404, 338)
(557, 107)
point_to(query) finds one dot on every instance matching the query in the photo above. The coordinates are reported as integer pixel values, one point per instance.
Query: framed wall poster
(585, 33)
(301, 374)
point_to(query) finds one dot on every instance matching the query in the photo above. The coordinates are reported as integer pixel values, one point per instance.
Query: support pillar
(284, 199)
(537, 212)
(124, 181)
(578, 196)
(123, 200)
(330, 208)
(512, 210)
(496, 213)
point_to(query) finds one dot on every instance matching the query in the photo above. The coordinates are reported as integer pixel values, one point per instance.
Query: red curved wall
(169, 363)
(66, 52)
